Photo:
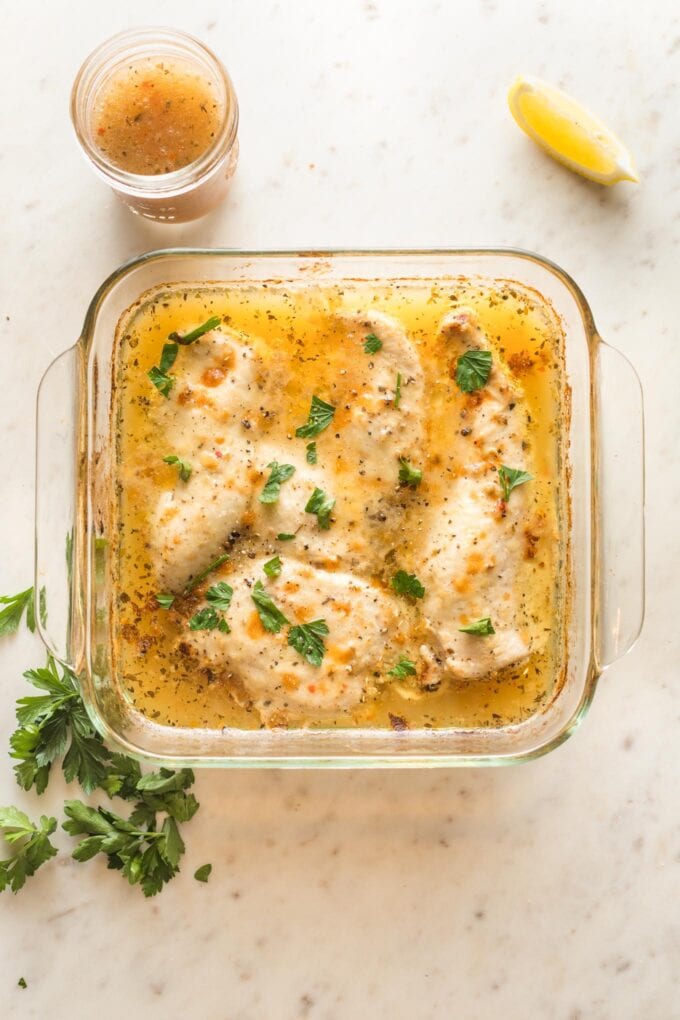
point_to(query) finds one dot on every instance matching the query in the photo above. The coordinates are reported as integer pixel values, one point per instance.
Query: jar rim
(145, 42)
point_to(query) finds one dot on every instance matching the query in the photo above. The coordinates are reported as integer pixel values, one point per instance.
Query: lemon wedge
(568, 132)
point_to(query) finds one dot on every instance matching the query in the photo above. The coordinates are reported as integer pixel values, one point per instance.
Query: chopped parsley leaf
(164, 601)
(311, 453)
(159, 374)
(483, 627)
(407, 584)
(202, 874)
(219, 595)
(319, 418)
(278, 473)
(208, 619)
(270, 615)
(372, 344)
(183, 466)
(272, 568)
(409, 475)
(473, 369)
(403, 669)
(307, 639)
(510, 478)
(189, 338)
(285, 536)
(320, 504)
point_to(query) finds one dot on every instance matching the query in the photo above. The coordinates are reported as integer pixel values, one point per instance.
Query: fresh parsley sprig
(278, 473)
(510, 478)
(52, 725)
(307, 639)
(10, 617)
(151, 792)
(145, 855)
(56, 724)
(473, 369)
(319, 418)
(31, 844)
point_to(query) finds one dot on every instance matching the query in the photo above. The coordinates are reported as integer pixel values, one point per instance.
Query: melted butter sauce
(295, 324)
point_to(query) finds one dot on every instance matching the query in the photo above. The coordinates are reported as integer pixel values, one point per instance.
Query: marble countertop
(543, 891)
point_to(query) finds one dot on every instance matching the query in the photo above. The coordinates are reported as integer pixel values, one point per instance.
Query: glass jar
(182, 194)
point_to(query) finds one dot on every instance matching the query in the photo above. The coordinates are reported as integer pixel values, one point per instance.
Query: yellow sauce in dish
(156, 116)
(293, 330)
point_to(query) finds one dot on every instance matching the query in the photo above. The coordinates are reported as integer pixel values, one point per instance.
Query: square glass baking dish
(604, 455)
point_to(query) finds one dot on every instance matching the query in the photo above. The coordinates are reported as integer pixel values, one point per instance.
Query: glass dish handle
(56, 539)
(619, 482)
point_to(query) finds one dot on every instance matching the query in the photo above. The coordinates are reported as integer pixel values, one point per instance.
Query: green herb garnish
(372, 344)
(397, 391)
(285, 536)
(159, 374)
(311, 453)
(183, 467)
(10, 617)
(321, 505)
(208, 619)
(409, 475)
(55, 724)
(272, 568)
(22, 981)
(403, 669)
(189, 338)
(52, 725)
(307, 639)
(271, 616)
(510, 478)
(473, 369)
(407, 584)
(202, 874)
(219, 595)
(278, 473)
(164, 600)
(319, 418)
(204, 573)
(145, 855)
(483, 627)
(31, 845)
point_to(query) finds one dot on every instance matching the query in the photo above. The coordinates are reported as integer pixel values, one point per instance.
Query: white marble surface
(546, 891)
